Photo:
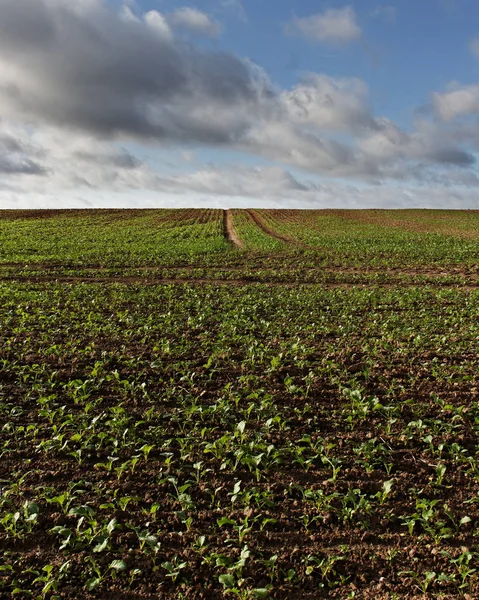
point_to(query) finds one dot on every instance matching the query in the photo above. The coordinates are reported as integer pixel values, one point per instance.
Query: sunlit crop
(189, 419)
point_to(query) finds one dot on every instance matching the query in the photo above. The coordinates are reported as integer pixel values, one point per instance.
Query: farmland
(251, 404)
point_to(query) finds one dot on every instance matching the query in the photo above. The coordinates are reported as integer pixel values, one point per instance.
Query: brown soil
(378, 548)
(230, 231)
(136, 280)
(427, 270)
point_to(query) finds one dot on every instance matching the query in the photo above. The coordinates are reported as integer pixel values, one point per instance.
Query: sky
(239, 103)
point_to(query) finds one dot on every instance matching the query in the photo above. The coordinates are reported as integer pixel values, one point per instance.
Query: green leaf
(6, 568)
(118, 565)
(223, 561)
(31, 509)
(101, 546)
(228, 581)
(111, 526)
(92, 584)
(387, 486)
(225, 521)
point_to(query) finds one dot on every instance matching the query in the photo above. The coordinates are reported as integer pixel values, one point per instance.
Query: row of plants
(248, 441)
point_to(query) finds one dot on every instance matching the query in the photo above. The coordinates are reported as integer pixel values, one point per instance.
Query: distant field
(199, 237)
(251, 404)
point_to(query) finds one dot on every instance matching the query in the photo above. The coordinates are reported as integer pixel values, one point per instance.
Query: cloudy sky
(225, 103)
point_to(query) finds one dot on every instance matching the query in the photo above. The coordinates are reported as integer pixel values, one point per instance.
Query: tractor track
(148, 281)
(272, 233)
(230, 231)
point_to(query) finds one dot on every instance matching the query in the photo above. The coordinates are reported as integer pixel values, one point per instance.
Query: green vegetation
(382, 238)
(297, 432)
(105, 237)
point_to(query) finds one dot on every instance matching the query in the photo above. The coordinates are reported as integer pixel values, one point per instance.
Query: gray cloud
(452, 156)
(82, 65)
(20, 166)
(87, 79)
(18, 156)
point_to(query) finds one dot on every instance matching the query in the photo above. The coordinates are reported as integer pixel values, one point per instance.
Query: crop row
(373, 239)
(113, 237)
(307, 442)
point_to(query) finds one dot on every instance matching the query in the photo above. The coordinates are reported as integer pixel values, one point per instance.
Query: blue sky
(239, 102)
(407, 49)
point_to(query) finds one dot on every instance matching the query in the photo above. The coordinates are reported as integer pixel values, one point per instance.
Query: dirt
(371, 567)
(427, 270)
(230, 231)
(137, 280)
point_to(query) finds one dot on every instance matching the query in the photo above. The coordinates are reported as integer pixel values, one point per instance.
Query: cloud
(387, 144)
(238, 181)
(92, 70)
(240, 188)
(329, 103)
(83, 81)
(336, 26)
(18, 155)
(196, 21)
(17, 165)
(158, 24)
(458, 102)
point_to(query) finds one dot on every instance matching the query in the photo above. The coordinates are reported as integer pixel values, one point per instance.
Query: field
(246, 404)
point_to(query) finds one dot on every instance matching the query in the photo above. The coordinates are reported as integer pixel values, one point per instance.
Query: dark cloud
(453, 156)
(81, 65)
(121, 159)
(83, 69)
(23, 166)
(18, 156)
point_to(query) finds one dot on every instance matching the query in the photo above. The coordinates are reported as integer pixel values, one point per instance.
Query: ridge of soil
(272, 233)
(237, 282)
(431, 271)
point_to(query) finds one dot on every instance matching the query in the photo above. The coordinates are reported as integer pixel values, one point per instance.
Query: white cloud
(329, 103)
(196, 21)
(458, 102)
(336, 26)
(241, 188)
(127, 15)
(158, 23)
(83, 81)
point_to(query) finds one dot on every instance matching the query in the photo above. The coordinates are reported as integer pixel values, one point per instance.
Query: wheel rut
(148, 281)
(230, 231)
(272, 233)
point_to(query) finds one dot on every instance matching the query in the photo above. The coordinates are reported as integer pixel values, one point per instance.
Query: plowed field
(252, 404)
